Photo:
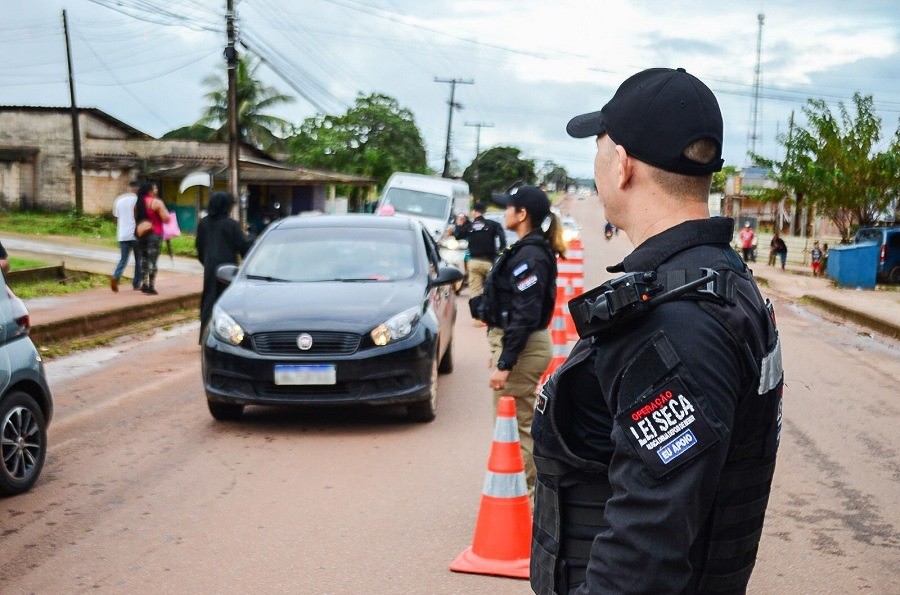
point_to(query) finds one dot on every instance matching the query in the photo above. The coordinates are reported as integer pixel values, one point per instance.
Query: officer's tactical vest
(571, 492)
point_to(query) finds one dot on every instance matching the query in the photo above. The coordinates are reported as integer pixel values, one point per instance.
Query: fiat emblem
(304, 342)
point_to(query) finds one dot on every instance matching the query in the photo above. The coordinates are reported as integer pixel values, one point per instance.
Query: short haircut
(479, 207)
(134, 184)
(703, 150)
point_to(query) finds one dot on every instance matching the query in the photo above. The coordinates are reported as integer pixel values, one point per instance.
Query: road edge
(77, 326)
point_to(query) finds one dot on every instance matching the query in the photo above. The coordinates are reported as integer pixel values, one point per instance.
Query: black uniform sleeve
(3, 253)
(670, 444)
(530, 278)
(461, 232)
(498, 229)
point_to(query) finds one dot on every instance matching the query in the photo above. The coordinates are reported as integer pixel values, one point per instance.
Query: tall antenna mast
(754, 119)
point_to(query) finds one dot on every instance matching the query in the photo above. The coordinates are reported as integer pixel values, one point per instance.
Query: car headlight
(398, 327)
(225, 328)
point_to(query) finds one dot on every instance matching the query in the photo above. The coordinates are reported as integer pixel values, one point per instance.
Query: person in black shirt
(219, 241)
(655, 441)
(517, 304)
(486, 239)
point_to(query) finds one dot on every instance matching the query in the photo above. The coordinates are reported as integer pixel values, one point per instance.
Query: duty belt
(635, 293)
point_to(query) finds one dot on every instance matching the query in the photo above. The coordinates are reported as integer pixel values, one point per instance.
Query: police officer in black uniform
(486, 240)
(517, 304)
(655, 442)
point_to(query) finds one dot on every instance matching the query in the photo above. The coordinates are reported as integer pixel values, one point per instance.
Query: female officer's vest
(571, 492)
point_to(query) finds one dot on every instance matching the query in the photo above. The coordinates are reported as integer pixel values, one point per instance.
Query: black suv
(888, 240)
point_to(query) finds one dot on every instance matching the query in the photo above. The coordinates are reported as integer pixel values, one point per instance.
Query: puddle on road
(847, 334)
(79, 364)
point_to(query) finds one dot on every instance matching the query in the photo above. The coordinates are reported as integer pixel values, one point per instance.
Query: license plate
(308, 374)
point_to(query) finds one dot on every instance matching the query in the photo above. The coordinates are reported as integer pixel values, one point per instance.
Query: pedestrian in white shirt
(123, 211)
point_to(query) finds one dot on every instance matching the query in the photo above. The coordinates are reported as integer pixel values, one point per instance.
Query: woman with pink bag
(150, 214)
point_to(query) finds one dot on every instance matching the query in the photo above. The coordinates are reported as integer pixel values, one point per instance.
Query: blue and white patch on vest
(520, 269)
(667, 427)
(526, 282)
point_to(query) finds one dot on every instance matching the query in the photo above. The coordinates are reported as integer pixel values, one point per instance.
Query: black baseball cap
(655, 114)
(531, 198)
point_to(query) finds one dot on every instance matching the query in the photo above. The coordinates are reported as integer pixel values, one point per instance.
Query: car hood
(359, 307)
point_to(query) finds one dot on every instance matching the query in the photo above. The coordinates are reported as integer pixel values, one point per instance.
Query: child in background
(816, 256)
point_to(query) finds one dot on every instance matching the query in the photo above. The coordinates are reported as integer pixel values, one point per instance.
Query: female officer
(518, 301)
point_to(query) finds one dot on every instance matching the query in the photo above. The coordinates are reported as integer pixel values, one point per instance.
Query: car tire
(446, 365)
(23, 430)
(426, 411)
(225, 411)
(895, 275)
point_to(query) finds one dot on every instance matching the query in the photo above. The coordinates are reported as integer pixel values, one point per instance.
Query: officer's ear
(624, 167)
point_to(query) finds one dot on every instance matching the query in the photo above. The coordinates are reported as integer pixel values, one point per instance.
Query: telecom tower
(754, 135)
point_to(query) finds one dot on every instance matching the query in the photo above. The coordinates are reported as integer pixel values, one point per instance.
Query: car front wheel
(23, 443)
(225, 411)
(895, 275)
(427, 410)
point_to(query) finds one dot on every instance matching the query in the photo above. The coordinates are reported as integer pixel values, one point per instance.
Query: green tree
(375, 138)
(253, 99)
(552, 173)
(499, 168)
(719, 178)
(192, 132)
(833, 164)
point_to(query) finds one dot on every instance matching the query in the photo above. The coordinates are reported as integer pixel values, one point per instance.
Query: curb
(70, 328)
(877, 324)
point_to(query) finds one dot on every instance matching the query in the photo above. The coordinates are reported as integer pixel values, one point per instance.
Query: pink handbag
(170, 228)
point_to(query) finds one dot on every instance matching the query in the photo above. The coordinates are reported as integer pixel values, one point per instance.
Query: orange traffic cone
(574, 267)
(571, 331)
(502, 542)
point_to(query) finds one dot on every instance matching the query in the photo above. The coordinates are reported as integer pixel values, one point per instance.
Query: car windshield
(414, 202)
(333, 254)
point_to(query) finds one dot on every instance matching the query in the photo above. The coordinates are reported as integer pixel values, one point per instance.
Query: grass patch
(96, 229)
(58, 224)
(143, 329)
(17, 264)
(81, 282)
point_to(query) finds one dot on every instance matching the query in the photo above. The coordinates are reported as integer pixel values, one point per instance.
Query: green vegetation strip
(80, 282)
(94, 229)
(139, 330)
(16, 264)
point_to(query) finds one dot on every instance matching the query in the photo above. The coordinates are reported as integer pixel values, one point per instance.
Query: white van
(428, 199)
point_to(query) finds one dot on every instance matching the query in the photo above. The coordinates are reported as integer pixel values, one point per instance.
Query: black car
(332, 310)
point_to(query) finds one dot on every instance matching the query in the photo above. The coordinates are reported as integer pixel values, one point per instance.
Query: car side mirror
(226, 273)
(446, 276)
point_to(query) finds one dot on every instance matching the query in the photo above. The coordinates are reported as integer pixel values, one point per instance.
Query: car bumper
(394, 374)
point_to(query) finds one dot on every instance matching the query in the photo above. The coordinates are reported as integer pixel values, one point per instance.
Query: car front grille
(323, 343)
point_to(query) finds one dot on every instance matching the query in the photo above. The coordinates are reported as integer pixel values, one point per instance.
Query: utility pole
(756, 84)
(76, 129)
(234, 141)
(478, 126)
(452, 103)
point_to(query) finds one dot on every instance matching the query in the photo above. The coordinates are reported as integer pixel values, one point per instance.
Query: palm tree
(253, 98)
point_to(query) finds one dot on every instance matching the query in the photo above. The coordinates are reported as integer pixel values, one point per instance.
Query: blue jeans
(127, 248)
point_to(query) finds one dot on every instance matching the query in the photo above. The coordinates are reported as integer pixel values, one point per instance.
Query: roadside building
(36, 168)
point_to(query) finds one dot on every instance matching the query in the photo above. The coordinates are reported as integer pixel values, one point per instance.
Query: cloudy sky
(535, 63)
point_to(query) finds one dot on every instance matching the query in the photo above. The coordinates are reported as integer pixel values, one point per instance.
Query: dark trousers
(127, 248)
(149, 245)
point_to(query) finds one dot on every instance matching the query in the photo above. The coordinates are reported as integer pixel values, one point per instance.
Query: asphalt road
(143, 491)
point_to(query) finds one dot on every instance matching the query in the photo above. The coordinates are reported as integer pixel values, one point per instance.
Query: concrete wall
(51, 134)
(16, 184)
(101, 189)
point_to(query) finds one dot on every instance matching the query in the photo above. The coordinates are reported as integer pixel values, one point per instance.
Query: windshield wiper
(355, 279)
(267, 278)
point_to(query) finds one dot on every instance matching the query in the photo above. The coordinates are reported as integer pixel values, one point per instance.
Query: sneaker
(136, 287)
(151, 291)
(145, 288)
(114, 284)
